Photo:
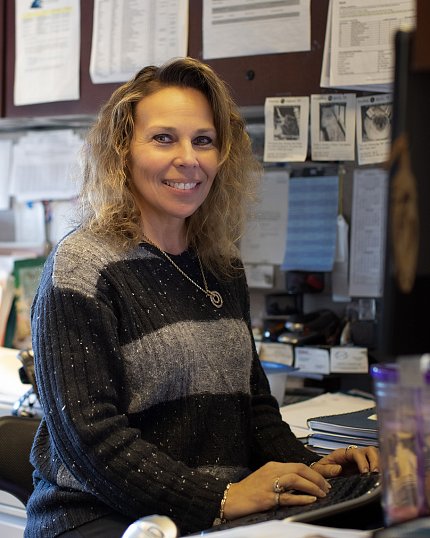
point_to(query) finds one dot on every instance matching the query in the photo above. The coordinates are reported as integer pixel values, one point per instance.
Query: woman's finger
(294, 484)
(290, 499)
(366, 459)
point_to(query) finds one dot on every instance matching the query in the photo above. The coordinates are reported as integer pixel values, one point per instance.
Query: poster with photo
(374, 117)
(286, 129)
(333, 127)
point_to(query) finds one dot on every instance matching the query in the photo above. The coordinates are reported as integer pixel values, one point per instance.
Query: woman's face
(173, 155)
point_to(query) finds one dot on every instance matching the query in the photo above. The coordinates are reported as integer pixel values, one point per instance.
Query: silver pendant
(215, 298)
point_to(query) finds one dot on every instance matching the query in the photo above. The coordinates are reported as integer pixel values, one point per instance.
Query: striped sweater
(153, 398)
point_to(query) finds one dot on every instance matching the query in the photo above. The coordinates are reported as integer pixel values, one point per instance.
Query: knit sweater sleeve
(76, 365)
(273, 439)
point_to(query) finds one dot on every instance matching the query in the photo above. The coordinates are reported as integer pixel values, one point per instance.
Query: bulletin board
(422, 39)
(251, 78)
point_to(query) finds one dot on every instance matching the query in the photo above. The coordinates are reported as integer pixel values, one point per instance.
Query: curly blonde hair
(107, 203)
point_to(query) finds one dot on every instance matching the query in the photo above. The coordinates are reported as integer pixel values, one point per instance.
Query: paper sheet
(260, 275)
(325, 81)
(333, 127)
(286, 129)
(45, 166)
(374, 117)
(325, 68)
(362, 41)
(287, 529)
(11, 387)
(264, 238)
(47, 51)
(5, 163)
(296, 415)
(248, 27)
(340, 273)
(368, 225)
(311, 227)
(130, 35)
(29, 223)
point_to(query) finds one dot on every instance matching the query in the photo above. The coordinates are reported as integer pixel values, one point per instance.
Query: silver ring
(350, 447)
(276, 487)
(277, 499)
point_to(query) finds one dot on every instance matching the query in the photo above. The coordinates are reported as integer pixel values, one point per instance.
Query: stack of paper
(297, 415)
(359, 45)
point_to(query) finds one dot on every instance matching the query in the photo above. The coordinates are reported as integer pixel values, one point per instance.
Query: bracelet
(221, 507)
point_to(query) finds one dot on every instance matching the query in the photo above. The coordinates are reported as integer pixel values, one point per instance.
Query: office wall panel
(251, 78)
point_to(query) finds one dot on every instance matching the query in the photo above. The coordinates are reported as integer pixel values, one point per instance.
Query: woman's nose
(186, 155)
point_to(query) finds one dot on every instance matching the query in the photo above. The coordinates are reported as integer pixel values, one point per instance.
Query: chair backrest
(16, 439)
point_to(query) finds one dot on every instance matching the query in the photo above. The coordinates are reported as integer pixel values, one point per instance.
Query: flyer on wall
(286, 129)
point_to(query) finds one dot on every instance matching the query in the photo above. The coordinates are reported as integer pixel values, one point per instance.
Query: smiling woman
(154, 397)
(183, 87)
(173, 162)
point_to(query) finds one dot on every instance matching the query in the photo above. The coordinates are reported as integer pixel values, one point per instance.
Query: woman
(153, 394)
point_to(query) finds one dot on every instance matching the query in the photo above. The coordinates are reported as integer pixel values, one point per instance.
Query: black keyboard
(346, 493)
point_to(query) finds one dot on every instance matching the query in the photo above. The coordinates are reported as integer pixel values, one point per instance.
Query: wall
(274, 74)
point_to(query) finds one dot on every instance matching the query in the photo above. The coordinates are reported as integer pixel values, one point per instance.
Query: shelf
(78, 121)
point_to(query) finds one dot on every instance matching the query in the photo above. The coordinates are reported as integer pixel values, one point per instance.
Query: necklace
(214, 296)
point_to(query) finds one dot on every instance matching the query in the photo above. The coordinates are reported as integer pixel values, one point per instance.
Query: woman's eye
(203, 140)
(163, 138)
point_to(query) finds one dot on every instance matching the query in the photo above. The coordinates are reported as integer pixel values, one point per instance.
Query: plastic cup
(277, 375)
(400, 445)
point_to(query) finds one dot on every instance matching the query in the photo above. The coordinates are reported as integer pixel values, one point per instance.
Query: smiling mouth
(181, 186)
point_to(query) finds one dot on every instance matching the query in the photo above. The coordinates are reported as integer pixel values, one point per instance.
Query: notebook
(361, 423)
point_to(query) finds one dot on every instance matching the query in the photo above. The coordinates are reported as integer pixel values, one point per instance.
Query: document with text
(47, 51)
(368, 227)
(248, 27)
(286, 129)
(265, 234)
(130, 35)
(374, 120)
(360, 50)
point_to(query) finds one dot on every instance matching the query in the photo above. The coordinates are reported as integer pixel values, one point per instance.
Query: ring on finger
(350, 447)
(277, 499)
(277, 488)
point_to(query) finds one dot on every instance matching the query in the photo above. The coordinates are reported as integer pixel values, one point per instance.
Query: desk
(12, 511)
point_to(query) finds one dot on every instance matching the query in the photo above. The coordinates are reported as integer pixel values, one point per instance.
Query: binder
(353, 424)
(325, 444)
(334, 440)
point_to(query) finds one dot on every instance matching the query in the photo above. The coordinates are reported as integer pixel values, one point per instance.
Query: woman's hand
(275, 484)
(350, 459)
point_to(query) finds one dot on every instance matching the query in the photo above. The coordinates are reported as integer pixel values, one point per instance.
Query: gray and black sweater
(153, 398)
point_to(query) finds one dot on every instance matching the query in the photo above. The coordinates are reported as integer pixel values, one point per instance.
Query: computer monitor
(404, 320)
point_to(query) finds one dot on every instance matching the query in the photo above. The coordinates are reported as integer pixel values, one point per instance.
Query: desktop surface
(415, 528)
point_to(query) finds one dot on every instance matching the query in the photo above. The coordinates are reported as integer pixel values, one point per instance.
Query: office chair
(16, 439)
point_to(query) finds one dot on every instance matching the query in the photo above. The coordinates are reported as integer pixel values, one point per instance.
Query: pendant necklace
(214, 296)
